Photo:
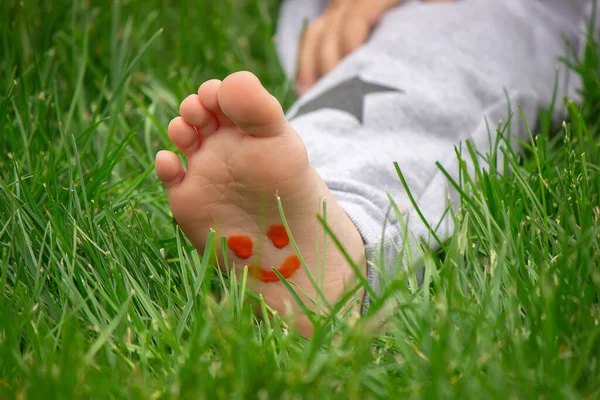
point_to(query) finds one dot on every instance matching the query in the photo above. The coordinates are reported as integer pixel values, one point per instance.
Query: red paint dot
(290, 265)
(287, 269)
(278, 236)
(241, 246)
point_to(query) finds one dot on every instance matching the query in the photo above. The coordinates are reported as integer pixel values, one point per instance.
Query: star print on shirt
(347, 96)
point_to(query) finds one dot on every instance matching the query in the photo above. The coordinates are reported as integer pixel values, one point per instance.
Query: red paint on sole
(287, 269)
(241, 246)
(278, 236)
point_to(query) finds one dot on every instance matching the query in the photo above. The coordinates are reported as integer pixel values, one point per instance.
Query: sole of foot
(241, 154)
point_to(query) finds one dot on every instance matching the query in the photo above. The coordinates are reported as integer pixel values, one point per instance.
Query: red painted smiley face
(241, 246)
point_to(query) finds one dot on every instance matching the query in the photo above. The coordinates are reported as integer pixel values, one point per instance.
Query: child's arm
(342, 28)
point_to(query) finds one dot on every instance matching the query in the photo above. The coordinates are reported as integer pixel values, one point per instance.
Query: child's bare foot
(241, 152)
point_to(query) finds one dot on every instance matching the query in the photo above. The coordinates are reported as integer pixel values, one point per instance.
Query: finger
(330, 49)
(354, 33)
(307, 62)
(371, 13)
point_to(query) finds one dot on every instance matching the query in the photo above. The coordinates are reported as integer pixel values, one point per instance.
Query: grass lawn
(101, 296)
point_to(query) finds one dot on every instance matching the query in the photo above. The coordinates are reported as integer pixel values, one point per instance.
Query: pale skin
(341, 29)
(242, 153)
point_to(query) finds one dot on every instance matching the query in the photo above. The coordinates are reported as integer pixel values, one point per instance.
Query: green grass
(102, 296)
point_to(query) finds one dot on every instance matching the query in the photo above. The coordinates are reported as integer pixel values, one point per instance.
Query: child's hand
(343, 27)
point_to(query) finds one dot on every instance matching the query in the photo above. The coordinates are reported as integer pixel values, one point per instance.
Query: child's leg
(418, 88)
(422, 84)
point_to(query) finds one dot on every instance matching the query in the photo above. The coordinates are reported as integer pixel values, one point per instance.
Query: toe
(208, 97)
(247, 104)
(169, 169)
(194, 113)
(184, 136)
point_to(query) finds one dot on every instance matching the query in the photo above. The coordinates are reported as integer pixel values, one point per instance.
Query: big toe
(247, 104)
